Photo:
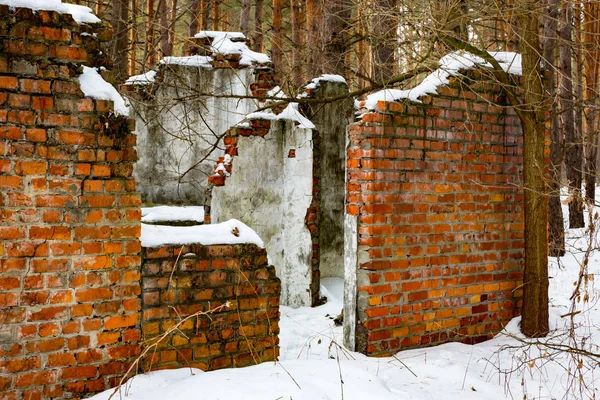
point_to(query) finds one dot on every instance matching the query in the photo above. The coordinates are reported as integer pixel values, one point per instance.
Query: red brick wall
(69, 216)
(435, 188)
(179, 281)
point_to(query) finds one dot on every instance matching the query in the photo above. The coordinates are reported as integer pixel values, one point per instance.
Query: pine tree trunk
(149, 52)
(385, 39)
(277, 36)
(362, 59)
(133, 38)
(556, 230)
(245, 17)
(163, 12)
(573, 157)
(257, 39)
(172, 21)
(592, 32)
(194, 17)
(297, 8)
(534, 322)
(216, 14)
(313, 42)
(120, 45)
(334, 34)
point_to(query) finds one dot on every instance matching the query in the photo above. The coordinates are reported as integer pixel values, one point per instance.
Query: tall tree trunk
(385, 39)
(257, 38)
(362, 60)
(216, 14)
(172, 22)
(578, 109)
(556, 230)
(133, 38)
(313, 47)
(297, 7)
(277, 35)
(149, 52)
(194, 17)
(573, 157)
(245, 17)
(165, 44)
(120, 45)
(334, 36)
(205, 14)
(592, 33)
(534, 322)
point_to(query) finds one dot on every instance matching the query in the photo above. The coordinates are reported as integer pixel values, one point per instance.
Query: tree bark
(216, 14)
(163, 12)
(297, 8)
(257, 38)
(573, 157)
(556, 230)
(245, 17)
(534, 322)
(313, 42)
(120, 45)
(149, 52)
(133, 38)
(592, 32)
(385, 39)
(277, 35)
(334, 34)
(194, 12)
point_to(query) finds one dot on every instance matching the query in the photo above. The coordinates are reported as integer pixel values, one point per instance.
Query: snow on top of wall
(94, 86)
(260, 115)
(189, 61)
(228, 232)
(314, 83)
(142, 79)
(219, 34)
(81, 14)
(290, 113)
(173, 213)
(222, 44)
(449, 66)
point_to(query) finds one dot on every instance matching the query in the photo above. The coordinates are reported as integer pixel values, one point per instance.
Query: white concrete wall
(179, 126)
(270, 193)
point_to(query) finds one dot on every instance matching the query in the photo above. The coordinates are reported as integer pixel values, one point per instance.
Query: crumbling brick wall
(435, 191)
(235, 280)
(69, 215)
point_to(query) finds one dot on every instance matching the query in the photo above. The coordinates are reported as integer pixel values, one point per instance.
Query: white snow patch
(291, 113)
(80, 14)
(222, 44)
(227, 159)
(260, 115)
(449, 66)
(173, 213)
(314, 83)
(276, 92)
(142, 79)
(228, 232)
(189, 61)
(93, 85)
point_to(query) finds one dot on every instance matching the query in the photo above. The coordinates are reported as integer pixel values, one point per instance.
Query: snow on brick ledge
(450, 65)
(173, 214)
(81, 14)
(228, 232)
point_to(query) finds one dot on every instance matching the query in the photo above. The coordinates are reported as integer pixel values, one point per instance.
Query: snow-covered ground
(314, 365)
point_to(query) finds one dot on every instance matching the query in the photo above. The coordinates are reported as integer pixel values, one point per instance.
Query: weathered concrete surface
(270, 191)
(331, 120)
(178, 127)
